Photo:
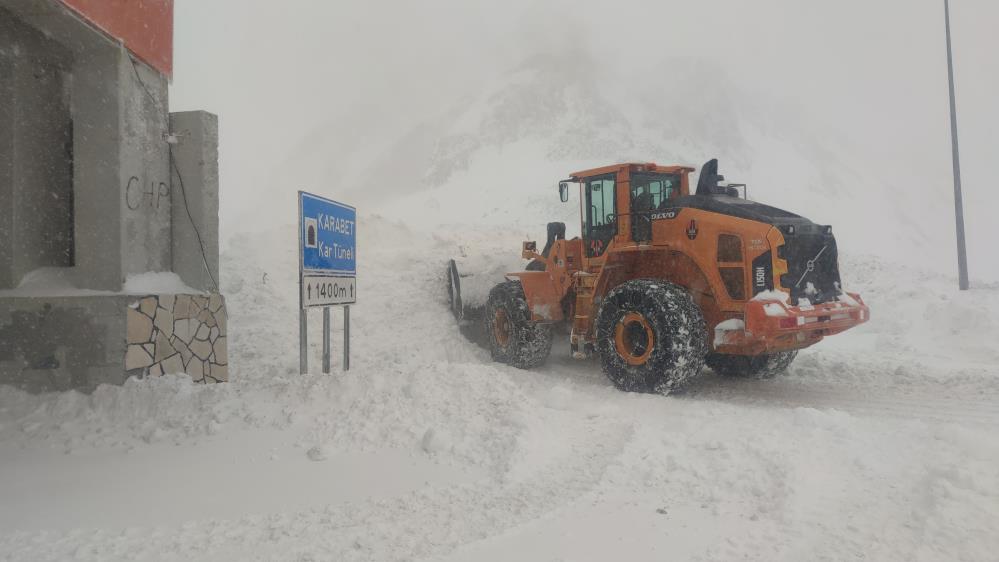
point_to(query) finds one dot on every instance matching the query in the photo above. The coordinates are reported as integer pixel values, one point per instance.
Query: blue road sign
(328, 236)
(327, 266)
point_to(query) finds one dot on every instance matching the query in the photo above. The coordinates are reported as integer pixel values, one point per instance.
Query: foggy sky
(870, 75)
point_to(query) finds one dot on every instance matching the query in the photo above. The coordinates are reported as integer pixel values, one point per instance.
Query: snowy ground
(879, 444)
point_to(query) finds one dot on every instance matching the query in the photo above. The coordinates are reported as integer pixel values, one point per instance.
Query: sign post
(962, 253)
(327, 266)
(346, 338)
(326, 340)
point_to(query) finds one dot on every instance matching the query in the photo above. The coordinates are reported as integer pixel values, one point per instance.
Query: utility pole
(962, 256)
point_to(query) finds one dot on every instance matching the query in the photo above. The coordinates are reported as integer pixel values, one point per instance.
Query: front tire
(762, 366)
(513, 338)
(651, 336)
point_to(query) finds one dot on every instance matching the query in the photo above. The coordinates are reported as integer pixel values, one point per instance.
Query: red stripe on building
(144, 26)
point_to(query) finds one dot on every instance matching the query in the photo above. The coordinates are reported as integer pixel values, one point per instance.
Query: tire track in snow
(928, 400)
(916, 404)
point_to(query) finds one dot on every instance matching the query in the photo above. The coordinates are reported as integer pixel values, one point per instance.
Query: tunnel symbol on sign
(310, 232)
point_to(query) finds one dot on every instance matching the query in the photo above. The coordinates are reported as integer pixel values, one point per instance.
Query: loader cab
(620, 200)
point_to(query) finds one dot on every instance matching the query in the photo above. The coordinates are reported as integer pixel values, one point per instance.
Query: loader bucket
(465, 308)
(454, 290)
(469, 280)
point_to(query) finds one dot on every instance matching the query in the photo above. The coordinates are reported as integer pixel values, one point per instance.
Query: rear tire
(763, 366)
(651, 336)
(513, 338)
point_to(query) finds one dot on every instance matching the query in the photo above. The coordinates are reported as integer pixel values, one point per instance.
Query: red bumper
(771, 325)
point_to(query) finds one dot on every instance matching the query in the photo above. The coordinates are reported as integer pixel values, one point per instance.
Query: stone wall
(58, 343)
(169, 334)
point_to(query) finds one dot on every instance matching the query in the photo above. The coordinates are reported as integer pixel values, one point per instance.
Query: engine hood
(740, 208)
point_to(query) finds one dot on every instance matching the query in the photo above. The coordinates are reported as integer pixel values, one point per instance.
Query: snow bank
(49, 282)
(156, 282)
(59, 282)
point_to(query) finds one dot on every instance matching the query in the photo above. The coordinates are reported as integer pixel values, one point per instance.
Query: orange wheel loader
(664, 281)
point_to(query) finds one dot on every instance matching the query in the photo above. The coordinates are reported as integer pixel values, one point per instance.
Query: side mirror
(529, 250)
(563, 190)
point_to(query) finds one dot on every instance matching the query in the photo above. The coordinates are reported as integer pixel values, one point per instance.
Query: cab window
(649, 192)
(652, 191)
(601, 215)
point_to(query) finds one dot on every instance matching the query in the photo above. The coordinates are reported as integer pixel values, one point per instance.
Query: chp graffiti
(151, 194)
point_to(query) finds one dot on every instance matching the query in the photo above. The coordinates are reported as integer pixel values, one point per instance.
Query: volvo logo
(665, 214)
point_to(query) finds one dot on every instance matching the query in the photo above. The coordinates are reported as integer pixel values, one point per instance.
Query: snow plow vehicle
(663, 281)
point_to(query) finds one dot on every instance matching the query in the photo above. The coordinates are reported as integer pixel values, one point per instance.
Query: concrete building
(108, 202)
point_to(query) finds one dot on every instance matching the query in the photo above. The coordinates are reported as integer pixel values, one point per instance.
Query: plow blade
(467, 306)
(454, 290)
(469, 281)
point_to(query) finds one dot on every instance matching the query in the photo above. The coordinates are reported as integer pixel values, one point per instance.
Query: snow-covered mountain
(494, 156)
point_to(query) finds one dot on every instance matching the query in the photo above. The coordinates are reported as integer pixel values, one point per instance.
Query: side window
(648, 194)
(602, 208)
(601, 214)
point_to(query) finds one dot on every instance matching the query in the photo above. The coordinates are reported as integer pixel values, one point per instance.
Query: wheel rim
(634, 339)
(501, 327)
